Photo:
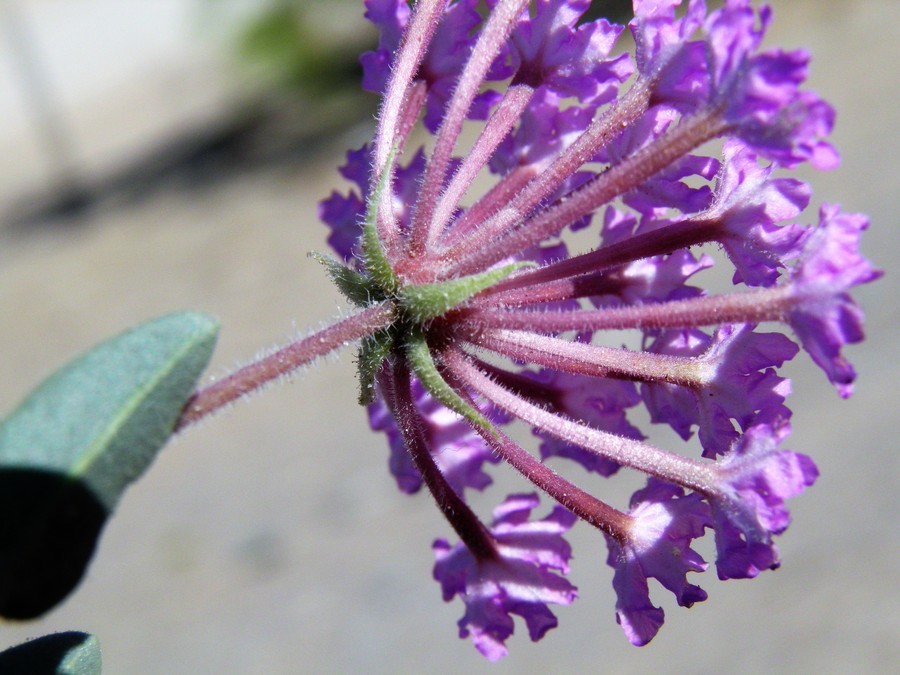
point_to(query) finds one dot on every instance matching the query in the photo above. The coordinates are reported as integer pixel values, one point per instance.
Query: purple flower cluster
(680, 144)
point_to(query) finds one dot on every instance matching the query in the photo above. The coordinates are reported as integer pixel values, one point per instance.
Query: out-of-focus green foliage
(290, 41)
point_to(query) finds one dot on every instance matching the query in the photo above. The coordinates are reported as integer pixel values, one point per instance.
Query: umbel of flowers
(474, 313)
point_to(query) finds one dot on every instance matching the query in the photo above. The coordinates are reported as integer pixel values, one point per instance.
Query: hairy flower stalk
(473, 314)
(251, 377)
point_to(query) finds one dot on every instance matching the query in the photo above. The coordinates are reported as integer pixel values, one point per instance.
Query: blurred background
(167, 155)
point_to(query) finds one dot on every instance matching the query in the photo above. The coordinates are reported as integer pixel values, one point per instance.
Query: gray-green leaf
(72, 447)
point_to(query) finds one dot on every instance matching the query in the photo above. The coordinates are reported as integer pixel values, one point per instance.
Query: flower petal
(523, 580)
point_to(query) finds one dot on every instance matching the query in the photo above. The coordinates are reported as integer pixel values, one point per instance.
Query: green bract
(356, 287)
(377, 264)
(422, 363)
(416, 304)
(372, 353)
(424, 302)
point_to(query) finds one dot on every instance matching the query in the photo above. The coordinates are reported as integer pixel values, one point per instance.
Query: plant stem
(605, 518)
(496, 30)
(764, 304)
(496, 244)
(598, 135)
(425, 18)
(252, 377)
(507, 113)
(398, 394)
(594, 360)
(684, 234)
(652, 461)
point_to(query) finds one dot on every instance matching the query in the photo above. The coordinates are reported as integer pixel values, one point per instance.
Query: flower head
(487, 318)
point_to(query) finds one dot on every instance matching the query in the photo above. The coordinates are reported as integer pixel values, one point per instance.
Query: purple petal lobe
(749, 510)
(761, 92)
(741, 384)
(665, 54)
(825, 317)
(343, 214)
(550, 50)
(390, 17)
(750, 204)
(665, 522)
(523, 580)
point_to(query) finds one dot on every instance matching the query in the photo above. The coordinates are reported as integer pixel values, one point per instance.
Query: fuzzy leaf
(429, 301)
(72, 447)
(69, 653)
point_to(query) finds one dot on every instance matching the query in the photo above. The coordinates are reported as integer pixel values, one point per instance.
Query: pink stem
(425, 18)
(505, 115)
(765, 304)
(657, 242)
(415, 101)
(584, 505)
(550, 291)
(605, 518)
(388, 228)
(594, 360)
(397, 391)
(652, 461)
(496, 30)
(495, 245)
(489, 204)
(597, 136)
(252, 377)
(416, 37)
(528, 387)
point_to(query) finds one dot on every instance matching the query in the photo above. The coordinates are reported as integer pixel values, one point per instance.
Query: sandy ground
(272, 539)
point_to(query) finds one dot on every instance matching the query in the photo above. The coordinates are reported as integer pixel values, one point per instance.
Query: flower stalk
(284, 361)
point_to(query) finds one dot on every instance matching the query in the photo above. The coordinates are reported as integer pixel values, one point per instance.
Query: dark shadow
(48, 533)
(616, 11)
(42, 655)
